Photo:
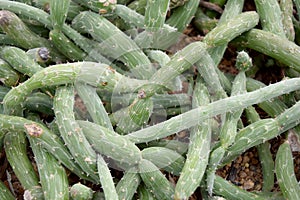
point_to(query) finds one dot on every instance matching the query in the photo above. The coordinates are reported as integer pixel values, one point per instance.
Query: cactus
(98, 75)
(144, 194)
(94, 104)
(204, 23)
(285, 172)
(6, 40)
(5, 193)
(274, 106)
(225, 32)
(230, 191)
(42, 135)
(198, 151)
(168, 160)
(133, 118)
(52, 175)
(175, 145)
(183, 15)
(67, 47)
(58, 13)
(156, 12)
(272, 45)
(18, 31)
(262, 131)
(222, 106)
(232, 9)
(39, 15)
(111, 144)
(286, 7)
(106, 179)
(270, 16)
(81, 192)
(19, 60)
(34, 193)
(207, 69)
(70, 131)
(8, 75)
(102, 6)
(264, 154)
(115, 43)
(16, 153)
(131, 17)
(128, 185)
(155, 180)
(39, 102)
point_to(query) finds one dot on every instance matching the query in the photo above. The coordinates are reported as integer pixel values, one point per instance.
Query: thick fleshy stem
(128, 184)
(183, 15)
(111, 144)
(5, 193)
(272, 45)
(70, 131)
(52, 175)
(230, 191)
(156, 13)
(155, 180)
(95, 74)
(284, 168)
(198, 151)
(264, 154)
(42, 135)
(261, 131)
(15, 149)
(93, 104)
(14, 27)
(19, 60)
(115, 43)
(168, 160)
(79, 191)
(106, 179)
(287, 15)
(8, 75)
(58, 12)
(221, 106)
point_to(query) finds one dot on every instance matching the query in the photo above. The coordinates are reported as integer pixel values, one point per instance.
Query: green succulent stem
(272, 45)
(284, 168)
(198, 150)
(70, 131)
(5, 193)
(106, 179)
(184, 121)
(270, 16)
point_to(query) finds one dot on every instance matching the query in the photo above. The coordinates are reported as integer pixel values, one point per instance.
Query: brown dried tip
(4, 17)
(33, 130)
(111, 69)
(44, 54)
(142, 94)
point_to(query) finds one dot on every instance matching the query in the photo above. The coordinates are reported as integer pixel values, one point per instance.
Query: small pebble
(254, 161)
(248, 184)
(243, 174)
(239, 159)
(246, 159)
